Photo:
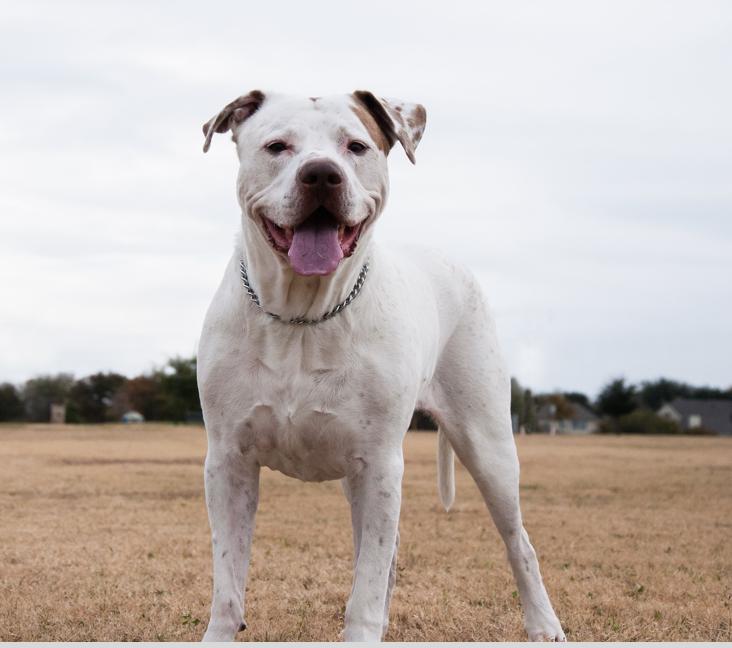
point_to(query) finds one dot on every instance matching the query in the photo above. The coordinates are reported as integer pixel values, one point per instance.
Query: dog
(319, 345)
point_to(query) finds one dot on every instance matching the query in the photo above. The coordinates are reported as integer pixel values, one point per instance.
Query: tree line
(168, 393)
(623, 407)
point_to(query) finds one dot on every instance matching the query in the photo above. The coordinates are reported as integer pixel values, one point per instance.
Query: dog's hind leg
(472, 405)
(232, 493)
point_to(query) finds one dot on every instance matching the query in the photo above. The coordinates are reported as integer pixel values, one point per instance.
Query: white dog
(319, 346)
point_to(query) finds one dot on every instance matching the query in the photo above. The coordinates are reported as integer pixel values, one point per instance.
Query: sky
(577, 157)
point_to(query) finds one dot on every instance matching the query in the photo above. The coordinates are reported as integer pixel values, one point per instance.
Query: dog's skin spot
(224, 552)
(385, 494)
(381, 541)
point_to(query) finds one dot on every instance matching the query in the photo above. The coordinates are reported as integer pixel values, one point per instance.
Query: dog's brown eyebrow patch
(372, 127)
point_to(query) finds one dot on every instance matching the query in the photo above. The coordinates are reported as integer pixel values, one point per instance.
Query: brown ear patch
(398, 121)
(418, 118)
(376, 134)
(237, 111)
(378, 114)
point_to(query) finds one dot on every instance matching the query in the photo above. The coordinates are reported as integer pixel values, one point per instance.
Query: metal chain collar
(302, 320)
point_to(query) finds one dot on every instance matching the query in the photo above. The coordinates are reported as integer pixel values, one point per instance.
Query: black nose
(319, 173)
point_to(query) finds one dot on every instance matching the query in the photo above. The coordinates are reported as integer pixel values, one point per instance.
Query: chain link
(302, 320)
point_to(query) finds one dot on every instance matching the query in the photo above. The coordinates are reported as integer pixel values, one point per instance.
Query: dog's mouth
(317, 245)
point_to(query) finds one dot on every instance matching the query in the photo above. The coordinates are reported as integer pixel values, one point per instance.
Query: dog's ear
(397, 120)
(231, 114)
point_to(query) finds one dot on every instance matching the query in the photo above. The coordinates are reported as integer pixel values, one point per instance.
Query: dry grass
(104, 536)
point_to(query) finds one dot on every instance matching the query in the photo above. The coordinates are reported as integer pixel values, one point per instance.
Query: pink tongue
(315, 249)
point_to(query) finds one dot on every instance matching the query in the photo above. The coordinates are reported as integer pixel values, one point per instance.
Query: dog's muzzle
(317, 244)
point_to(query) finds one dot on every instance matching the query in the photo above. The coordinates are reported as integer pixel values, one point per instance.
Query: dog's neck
(289, 295)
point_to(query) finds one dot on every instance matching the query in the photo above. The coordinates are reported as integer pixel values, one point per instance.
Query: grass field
(104, 536)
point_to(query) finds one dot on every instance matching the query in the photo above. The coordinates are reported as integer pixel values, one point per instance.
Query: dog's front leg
(232, 493)
(374, 489)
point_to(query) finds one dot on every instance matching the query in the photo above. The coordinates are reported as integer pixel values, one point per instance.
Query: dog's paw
(542, 635)
(223, 631)
(546, 629)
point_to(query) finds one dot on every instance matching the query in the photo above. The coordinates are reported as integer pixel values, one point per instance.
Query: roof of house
(548, 411)
(582, 413)
(716, 415)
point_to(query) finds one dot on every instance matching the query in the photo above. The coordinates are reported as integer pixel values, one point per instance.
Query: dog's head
(313, 175)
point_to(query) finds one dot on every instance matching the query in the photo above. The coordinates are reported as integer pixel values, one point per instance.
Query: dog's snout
(319, 173)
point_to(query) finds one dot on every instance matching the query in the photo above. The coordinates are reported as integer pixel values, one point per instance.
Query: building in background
(697, 415)
(579, 421)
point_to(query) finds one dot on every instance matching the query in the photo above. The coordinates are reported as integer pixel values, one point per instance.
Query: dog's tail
(445, 470)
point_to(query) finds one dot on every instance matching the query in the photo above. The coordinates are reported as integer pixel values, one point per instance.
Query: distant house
(695, 413)
(132, 417)
(582, 421)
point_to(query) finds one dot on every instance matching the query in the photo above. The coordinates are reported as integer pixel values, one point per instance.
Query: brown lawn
(104, 536)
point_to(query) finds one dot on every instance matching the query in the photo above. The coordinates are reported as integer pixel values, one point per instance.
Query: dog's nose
(319, 173)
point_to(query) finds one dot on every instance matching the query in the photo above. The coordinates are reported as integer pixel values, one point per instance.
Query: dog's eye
(357, 147)
(276, 147)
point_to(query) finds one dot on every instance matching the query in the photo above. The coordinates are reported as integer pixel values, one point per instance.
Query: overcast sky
(577, 156)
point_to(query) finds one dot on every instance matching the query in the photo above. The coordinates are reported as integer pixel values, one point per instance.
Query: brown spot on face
(314, 99)
(376, 134)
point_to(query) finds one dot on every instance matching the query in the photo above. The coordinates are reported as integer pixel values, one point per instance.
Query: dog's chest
(303, 406)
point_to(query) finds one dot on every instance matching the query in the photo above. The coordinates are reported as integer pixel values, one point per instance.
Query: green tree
(143, 394)
(616, 398)
(654, 393)
(11, 405)
(90, 398)
(707, 393)
(528, 417)
(562, 407)
(517, 398)
(523, 405)
(579, 398)
(40, 392)
(180, 389)
(641, 421)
